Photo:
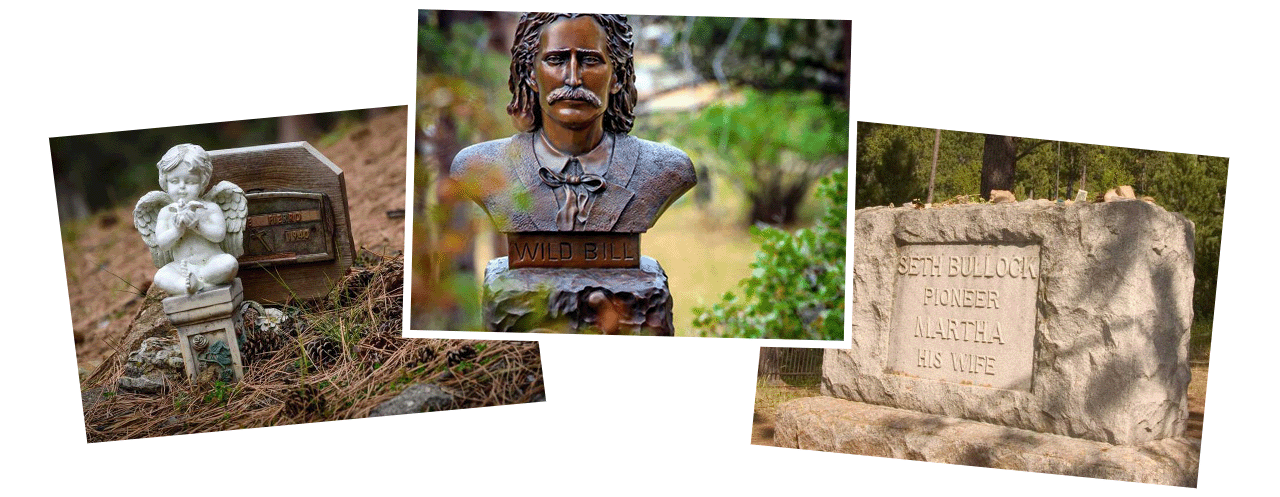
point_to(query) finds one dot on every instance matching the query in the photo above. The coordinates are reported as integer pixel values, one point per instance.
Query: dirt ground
(107, 263)
(768, 397)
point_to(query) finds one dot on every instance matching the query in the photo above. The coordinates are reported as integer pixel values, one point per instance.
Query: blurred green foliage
(893, 165)
(773, 146)
(796, 289)
(461, 98)
(768, 54)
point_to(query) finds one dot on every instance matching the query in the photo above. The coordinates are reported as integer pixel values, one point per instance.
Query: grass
(1201, 334)
(365, 364)
(705, 250)
(769, 395)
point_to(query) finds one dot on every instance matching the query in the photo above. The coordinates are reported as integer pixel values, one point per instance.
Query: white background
(625, 415)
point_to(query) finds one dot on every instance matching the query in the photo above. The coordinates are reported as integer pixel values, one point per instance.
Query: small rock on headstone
(419, 397)
(1126, 191)
(1002, 196)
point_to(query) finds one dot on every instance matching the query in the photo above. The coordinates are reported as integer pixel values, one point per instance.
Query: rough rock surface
(150, 321)
(835, 425)
(1112, 318)
(156, 364)
(419, 397)
(578, 300)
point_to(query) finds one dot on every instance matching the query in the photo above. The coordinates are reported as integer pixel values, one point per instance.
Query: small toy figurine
(194, 239)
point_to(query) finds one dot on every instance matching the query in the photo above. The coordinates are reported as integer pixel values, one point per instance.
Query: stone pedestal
(836, 425)
(207, 332)
(1029, 335)
(1072, 320)
(611, 301)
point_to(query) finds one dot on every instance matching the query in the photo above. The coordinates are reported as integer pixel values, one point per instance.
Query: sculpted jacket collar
(610, 202)
(594, 162)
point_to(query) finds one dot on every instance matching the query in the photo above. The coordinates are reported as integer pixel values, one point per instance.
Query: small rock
(155, 364)
(90, 397)
(1002, 196)
(1119, 193)
(419, 397)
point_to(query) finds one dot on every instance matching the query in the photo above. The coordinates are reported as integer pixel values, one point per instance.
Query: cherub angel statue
(194, 239)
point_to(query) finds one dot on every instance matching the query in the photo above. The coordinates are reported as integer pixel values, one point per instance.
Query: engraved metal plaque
(569, 249)
(287, 228)
(965, 313)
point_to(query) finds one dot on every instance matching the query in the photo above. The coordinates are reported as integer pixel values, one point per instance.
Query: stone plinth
(207, 331)
(1068, 320)
(632, 301)
(835, 425)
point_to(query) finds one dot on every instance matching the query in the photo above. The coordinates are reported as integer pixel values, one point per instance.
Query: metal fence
(790, 365)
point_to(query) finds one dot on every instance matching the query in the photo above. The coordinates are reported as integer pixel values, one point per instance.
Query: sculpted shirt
(576, 180)
(623, 184)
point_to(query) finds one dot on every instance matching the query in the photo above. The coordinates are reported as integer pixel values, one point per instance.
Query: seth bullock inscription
(966, 314)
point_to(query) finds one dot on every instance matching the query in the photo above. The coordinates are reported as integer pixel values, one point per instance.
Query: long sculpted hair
(524, 109)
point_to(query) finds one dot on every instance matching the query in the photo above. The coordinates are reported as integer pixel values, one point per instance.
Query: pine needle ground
(342, 358)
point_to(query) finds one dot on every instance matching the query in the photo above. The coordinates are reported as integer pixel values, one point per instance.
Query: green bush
(796, 288)
(773, 146)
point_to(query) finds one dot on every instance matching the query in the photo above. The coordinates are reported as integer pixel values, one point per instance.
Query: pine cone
(323, 351)
(306, 399)
(354, 286)
(259, 331)
(462, 353)
(421, 355)
(378, 346)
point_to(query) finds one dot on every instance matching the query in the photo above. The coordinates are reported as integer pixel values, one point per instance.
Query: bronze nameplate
(568, 249)
(287, 228)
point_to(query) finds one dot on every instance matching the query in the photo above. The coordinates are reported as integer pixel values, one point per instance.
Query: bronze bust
(573, 167)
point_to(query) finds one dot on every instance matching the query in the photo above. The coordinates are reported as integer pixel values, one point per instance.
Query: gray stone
(1108, 327)
(149, 321)
(155, 365)
(91, 397)
(628, 301)
(418, 397)
(835, 425)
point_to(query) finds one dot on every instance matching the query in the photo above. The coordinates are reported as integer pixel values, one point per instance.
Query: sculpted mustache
(573, 93)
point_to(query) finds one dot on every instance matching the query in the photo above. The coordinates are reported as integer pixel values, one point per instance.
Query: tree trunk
(776, 204)
(297, 128)
(770, 363)
(999, 157)
(933, 172)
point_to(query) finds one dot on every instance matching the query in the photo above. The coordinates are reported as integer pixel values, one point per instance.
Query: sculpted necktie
(578, 188)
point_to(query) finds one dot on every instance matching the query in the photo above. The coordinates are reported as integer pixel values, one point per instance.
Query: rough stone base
(156, 364)
(836, 425)
(632, 301)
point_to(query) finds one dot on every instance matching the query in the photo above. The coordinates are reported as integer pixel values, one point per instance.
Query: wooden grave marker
(298, 234)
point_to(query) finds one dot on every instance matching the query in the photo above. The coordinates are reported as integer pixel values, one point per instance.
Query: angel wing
(144, 219)
(235, 208)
